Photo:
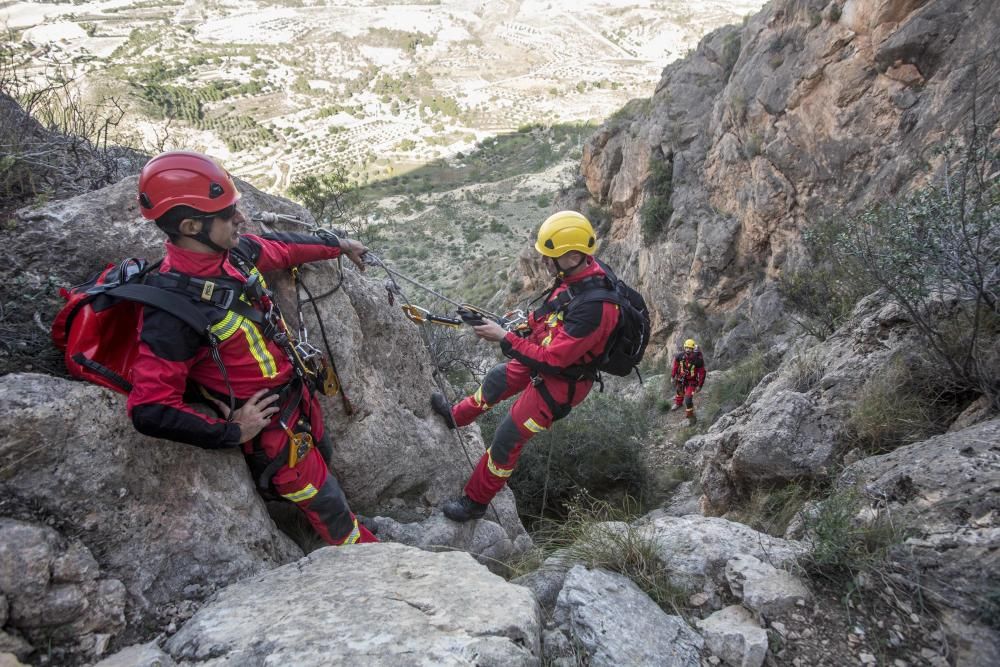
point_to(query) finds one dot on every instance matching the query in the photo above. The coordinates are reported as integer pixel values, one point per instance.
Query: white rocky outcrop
(373, 604)
(694, 550)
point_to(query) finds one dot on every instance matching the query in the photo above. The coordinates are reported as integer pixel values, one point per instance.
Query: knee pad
(330, 505)
(505, 439)
(494, 384)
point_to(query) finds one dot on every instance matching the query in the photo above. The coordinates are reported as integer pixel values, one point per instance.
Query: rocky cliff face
(809, 109)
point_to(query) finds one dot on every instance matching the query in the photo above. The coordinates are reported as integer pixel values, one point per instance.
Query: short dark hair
(169, 223)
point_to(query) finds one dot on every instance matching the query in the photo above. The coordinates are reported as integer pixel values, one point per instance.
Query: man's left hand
(354, 250)
(490, 330)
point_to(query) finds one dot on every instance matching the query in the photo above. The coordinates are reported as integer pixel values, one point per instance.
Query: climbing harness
(320, 369)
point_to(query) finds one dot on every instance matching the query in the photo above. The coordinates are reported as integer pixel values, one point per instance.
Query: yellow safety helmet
(689, 344)
(565, 231)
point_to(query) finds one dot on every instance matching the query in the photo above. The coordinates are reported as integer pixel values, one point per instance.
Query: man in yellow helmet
(548, 366)
(688, 374)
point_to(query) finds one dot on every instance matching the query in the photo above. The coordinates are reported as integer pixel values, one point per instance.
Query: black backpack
(627, 343)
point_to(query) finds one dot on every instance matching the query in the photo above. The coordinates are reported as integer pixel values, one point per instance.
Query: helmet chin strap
(203, 237)
(562, 271)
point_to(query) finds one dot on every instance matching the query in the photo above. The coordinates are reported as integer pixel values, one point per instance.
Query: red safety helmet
(184, 178)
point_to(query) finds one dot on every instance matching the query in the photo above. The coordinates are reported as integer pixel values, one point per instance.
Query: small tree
(936, 252)
(335, 201)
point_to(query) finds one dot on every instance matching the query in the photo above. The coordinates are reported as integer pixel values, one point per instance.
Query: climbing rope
(394, 288)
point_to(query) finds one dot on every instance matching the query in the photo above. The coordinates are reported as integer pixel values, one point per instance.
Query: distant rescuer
(194, 201)
(688, 374)
(541, 363)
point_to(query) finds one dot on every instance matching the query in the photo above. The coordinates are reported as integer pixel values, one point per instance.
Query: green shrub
(587, 536)
(936, 249)
(823, 294)
(806, 371)
(595, 449)
(771, 510)
(843, 545)
(657, 210)
(753, 144)
(890, 411)
(731, 51)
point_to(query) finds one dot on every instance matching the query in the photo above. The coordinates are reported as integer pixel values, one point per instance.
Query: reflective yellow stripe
(494, 468)
(258, 348)
(302, 494)
(227, 326)
(260, 276)
(354, 536)
(477, 399)
(533, 426)
(548, 339)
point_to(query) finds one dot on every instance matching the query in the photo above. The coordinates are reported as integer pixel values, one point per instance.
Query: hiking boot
(368, 522)
(463, 509)
(441, 406)
(675, 407)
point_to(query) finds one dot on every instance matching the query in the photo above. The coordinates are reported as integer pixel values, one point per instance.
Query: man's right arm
(168, 349)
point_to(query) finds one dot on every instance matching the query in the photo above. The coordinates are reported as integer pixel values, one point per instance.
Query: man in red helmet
(547, 367)
(247, 368)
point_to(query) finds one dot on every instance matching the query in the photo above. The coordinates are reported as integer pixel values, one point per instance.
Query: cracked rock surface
(385, 604)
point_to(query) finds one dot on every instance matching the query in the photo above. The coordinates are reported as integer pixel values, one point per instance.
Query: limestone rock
(771, 125)
(375, 603)
(791, 424)
(733, 635)
(694, 550)
(547, 581)
(50, 603)
(615, 623)
(142, 655)
(169, 521)
(764, 588)
(484, 539)
(945, 489)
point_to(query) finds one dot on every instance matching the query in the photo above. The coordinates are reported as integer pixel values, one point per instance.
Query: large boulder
(793, 424)
(169, 521)
(383, 604)
(946, 492)
(612, 622)
(694, 550)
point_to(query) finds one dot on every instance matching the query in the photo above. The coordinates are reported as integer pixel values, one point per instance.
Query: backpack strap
(574, 293)
(165, 300)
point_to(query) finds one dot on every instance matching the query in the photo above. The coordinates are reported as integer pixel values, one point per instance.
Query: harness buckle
(299, 445)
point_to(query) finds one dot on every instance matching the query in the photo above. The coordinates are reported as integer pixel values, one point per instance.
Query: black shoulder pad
(168, 337)
(583, 317)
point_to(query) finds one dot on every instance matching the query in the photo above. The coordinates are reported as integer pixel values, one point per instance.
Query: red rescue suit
(172, 357)
(558, 340)
(688, 374)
